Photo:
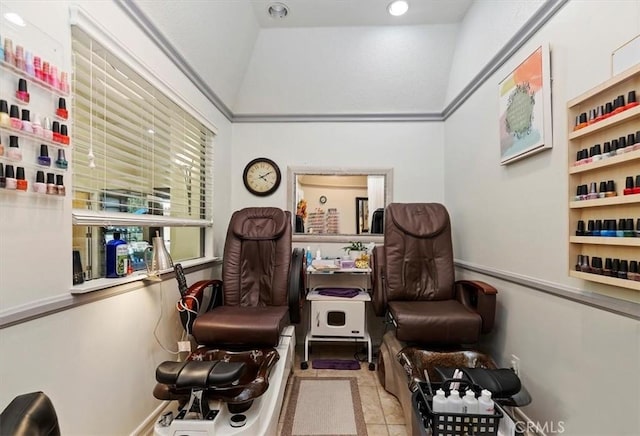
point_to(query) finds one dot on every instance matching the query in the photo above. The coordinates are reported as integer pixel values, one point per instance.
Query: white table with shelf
(338, 319)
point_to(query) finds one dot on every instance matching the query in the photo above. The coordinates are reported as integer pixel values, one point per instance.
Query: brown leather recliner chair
(261, 290)
(414, 286)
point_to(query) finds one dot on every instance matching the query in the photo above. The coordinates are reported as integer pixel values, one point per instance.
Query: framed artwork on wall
(525, 108)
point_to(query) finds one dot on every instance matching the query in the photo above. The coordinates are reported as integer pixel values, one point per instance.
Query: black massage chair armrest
(479, 297)
(378, 278)
(296, 285)
(192, 300)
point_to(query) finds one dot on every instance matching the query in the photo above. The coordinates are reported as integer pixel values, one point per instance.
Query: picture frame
(525, 107)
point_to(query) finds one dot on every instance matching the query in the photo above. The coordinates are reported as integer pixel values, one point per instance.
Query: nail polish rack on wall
(604, 167)
(33, 116)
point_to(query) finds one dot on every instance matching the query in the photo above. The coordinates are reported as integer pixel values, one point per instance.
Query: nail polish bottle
(593, 191)
(618, 105)
(631, 142)
(1, 147)
(622, 225)
(5, 121)
(28, 60)
(598, 228)
(622, 145)
(36, 125)
(623, 270)
(40, 186)
(9, 55)
(606, 150)
(22, 94)
(636, 190)
(45, 72)
(633, 271)
(47, 132)
(631, 100)
(628, 186)
(596, 265)
(53, 77)
(55, 128)
(19, 59)
(579, 263)
(638, 228)
(26, 121)
(636, 145)
(599, 113)
(581, 121)
(591, 227)
(10, 178)
(3, 180)
(62, 109)
(628, 228)
(14, 152)
(21, 182)
(608, 267)
(64, 82)
(592, 116)
(51, 184)
(615, 266)
(608, 229)
(61, 162)
(615, 145)
(60, 185)
(603, 189)
(64, 134)
(580, 228)
(584, 267)
(44, 158)
(37, 67)
(608, 108)
(596, 153)
(14, 116)
(611, 189)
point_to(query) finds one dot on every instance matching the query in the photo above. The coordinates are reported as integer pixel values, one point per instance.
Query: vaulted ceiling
(336, 57)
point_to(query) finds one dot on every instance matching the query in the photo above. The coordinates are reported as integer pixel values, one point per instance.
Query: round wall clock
(261, 176)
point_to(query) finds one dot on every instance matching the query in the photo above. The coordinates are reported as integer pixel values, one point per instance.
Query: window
(142, 165)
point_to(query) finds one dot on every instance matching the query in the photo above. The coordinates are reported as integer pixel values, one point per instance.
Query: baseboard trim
(146, 427)
(625, 308)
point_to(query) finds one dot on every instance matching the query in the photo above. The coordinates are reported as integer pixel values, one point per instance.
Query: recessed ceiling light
(278, 10)
(398, 7)
(14, 18)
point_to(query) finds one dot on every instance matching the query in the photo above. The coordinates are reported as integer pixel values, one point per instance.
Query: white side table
(337, 319)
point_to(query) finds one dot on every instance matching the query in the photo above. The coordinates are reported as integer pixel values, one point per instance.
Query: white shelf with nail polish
(43, 100)
(624, 164)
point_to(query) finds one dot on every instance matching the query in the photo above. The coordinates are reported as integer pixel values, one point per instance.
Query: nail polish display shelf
(611, 201)
(614, 281)
(599, 240)
(6, 132)
(7, 67)
(616, 168)
(615, 160)
(620, 118)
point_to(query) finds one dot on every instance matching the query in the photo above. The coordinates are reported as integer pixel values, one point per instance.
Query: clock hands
(265, 175)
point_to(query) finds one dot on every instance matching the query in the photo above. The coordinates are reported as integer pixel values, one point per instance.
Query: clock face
(261, 176)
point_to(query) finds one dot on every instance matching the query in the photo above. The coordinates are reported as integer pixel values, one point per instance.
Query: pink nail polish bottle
(14, 115)
(14, 152)
(26, 121)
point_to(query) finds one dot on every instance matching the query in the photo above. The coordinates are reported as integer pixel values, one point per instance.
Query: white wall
(514, 219)
(96, 361)
(413, 150)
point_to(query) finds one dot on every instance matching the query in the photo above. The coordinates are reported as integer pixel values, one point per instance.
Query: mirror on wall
(332, 203)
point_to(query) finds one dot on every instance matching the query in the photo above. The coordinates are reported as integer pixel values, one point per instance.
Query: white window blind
(138, 157)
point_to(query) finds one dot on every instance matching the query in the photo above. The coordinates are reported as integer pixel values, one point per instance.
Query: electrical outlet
(515, 364)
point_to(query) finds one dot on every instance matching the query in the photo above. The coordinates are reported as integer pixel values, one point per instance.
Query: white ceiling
(325, 57)
(332, 13)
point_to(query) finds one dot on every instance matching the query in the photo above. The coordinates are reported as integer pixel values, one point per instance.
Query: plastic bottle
(485, 403)
(469, 403)
(117, 257)
(309, 257)
(440, 402)
(454, 402)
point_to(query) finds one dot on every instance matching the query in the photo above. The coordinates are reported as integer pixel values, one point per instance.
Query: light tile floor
(382, 412)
